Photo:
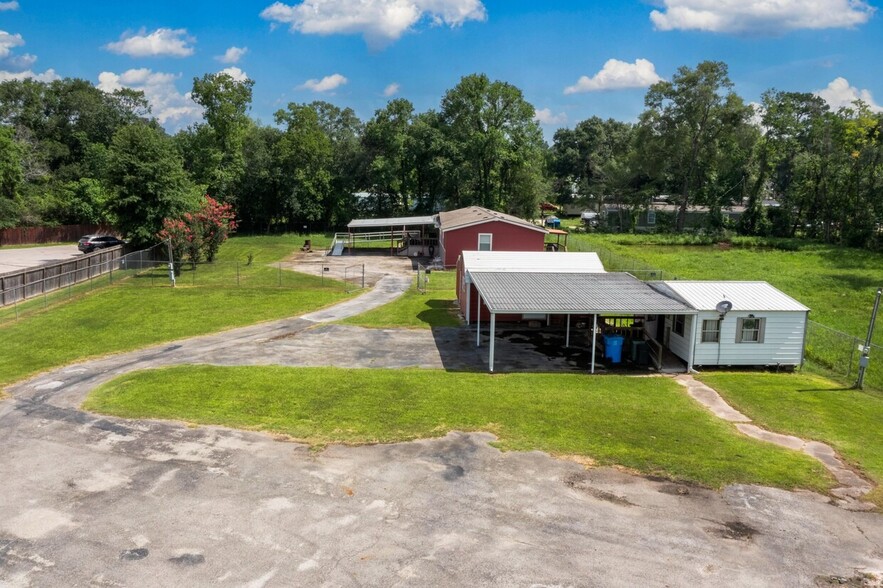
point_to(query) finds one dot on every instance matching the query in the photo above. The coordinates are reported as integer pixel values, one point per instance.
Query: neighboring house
(659, 216)
(763, 326)
(478, 229)
(515, 261)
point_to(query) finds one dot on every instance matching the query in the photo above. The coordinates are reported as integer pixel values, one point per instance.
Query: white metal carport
(521, 293)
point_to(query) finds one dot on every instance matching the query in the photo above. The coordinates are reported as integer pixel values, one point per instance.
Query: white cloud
(47, 76)
(326, 84)
(167, 104)
(161, 42)
(840, 94)
(232, 55)
(759, 16)
(234, 72)
(617, 75)
(380, 22)
(545, 117)
(391, 90)
(4, 6)
(24, 61)
(8, 41)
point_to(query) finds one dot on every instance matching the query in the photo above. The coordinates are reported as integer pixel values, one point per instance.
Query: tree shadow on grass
(439, 314)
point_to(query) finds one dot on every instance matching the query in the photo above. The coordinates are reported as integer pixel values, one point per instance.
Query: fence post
(854, 346)
(279, 266)
(363, 275)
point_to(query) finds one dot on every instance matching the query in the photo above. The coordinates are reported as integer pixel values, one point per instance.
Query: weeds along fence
(149, 268)
(838, 352)
(613, 262)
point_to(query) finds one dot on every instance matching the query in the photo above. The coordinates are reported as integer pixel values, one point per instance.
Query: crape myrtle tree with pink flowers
(198, 235)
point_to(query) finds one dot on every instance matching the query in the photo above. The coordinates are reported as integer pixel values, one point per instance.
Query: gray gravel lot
(16, 259)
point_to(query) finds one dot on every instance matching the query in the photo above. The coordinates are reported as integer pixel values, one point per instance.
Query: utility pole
(864, 360)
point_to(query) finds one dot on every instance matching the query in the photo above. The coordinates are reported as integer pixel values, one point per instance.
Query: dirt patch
(349, 267)
(734, 530)
(857, 581)
(674, 489)
(580, 481)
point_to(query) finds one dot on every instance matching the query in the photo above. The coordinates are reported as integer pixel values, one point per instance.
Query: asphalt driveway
(99, 501)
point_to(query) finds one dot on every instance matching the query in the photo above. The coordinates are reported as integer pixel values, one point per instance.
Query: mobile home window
(651, 217)
(750, 330)
(678, 325)
(485, 240)
(711, 331)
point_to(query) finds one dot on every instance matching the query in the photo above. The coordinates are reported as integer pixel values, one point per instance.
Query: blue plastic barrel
(613, 347)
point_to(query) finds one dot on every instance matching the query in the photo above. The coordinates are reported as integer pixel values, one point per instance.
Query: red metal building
(478, 229)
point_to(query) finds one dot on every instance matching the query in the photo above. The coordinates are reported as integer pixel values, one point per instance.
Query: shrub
(200, 234)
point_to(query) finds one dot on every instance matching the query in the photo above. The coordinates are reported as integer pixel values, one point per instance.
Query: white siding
(680, 345)
(782, 343)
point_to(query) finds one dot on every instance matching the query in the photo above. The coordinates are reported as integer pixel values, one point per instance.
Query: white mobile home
(738, 323)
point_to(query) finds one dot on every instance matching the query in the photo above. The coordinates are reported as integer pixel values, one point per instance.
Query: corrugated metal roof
(395, 222)
(532, 261)
(585, 293)
(745, 296)
(476, 215)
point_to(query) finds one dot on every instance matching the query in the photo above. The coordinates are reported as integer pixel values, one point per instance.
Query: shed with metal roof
(738, 324)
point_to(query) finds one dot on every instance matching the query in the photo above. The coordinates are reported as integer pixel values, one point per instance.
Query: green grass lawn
(648, 424)
(130, 314)
(811, 407)
(435, 308)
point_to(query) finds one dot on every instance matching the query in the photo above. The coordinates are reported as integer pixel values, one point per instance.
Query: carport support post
(567, 336)
(478, 323)
(594, 339)
(490, 361)
(468, 298)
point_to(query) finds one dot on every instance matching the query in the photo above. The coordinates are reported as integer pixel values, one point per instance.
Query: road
(12, 259)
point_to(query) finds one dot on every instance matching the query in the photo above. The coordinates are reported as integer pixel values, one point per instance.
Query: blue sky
(571, 59)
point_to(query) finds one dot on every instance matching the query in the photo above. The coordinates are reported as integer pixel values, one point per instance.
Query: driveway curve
(92, 500)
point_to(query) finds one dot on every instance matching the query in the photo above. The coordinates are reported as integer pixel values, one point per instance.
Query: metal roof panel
(745, 296)
(395, 222)
(580, 293)
(532, 261)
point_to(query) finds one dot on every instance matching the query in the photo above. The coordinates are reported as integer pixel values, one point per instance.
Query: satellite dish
(723, 307)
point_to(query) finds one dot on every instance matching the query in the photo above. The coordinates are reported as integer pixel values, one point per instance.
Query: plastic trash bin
(640, 353)
(613, 347)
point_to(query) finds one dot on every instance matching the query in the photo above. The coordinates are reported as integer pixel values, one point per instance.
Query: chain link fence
(838, 352)
(613, 262)
(149, 268)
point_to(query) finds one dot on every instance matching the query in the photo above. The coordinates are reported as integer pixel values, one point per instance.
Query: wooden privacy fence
(23, 284)
(60, 234)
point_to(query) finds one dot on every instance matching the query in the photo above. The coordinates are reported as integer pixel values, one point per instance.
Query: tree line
(71, 153)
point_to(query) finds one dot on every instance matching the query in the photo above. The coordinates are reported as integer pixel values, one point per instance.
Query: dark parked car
(90, 243)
